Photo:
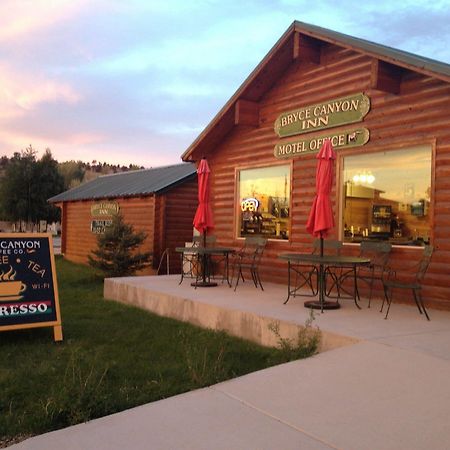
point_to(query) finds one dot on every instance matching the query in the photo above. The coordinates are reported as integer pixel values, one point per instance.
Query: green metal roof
(129, 184)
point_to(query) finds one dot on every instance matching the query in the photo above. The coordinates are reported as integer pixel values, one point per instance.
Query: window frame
(408, 143)
(237, 206)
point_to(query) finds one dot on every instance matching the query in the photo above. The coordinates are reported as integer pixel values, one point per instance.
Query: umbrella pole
(204, 258)
(321, 276)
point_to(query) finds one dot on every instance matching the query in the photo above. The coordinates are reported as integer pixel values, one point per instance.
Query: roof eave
(187, 155)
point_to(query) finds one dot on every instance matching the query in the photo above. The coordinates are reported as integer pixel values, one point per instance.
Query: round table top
(324, 259)
(204, 250)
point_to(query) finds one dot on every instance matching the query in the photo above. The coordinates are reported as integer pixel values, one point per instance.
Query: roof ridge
(143, 170)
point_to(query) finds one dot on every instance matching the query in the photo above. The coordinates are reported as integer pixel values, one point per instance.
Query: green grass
(113, 357)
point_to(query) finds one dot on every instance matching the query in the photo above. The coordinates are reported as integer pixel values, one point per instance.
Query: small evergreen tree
(116, 254)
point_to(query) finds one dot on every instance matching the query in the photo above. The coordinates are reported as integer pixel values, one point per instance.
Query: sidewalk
(390, 390)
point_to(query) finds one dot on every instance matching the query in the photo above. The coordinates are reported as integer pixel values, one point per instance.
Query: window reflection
(387, 196)
(264, 195)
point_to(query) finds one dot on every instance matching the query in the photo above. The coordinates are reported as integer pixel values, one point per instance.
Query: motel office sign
(343, 139)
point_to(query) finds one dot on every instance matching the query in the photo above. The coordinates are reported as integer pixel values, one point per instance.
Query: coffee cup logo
(10, 289)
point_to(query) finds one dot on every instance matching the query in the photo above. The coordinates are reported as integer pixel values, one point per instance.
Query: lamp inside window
(365, 177)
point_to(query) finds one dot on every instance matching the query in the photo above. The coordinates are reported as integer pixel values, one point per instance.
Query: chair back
(253, 249)
(330, 247)
(377, 251)
(424, 262)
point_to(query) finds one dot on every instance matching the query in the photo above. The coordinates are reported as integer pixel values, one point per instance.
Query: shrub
(116, 254)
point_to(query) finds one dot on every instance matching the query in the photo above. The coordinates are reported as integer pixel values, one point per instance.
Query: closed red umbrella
(203, 220)
(321, 219)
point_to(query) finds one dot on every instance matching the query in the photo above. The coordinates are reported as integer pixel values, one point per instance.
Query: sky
(135, 81)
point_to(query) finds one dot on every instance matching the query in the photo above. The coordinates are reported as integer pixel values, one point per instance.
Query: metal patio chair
(378, 252)
(190, 262)
(249, 258)
(408, 279)
(304, 275)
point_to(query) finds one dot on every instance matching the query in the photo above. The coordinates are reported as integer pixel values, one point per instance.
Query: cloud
(138, 80)
(21, 17)
(26, 91)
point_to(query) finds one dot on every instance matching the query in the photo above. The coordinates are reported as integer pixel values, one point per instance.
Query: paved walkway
(390, 390)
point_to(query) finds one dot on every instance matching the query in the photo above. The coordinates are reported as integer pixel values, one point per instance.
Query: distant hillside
(77, 172)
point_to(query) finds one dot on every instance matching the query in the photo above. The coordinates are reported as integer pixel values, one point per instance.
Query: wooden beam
(385, 77)
(296, 48)
(306, 49)
(246, 113)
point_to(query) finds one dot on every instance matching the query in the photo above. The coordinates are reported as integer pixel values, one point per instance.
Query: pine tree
(116, 254)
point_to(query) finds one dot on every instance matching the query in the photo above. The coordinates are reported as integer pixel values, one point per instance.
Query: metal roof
(128, 184)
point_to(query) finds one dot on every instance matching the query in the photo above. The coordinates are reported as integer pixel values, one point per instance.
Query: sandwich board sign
(28, 286)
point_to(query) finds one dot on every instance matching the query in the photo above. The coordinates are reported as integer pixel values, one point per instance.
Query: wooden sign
(343, 139)
(99, 226)
(332, 113)
(28, 286)
(104, 209)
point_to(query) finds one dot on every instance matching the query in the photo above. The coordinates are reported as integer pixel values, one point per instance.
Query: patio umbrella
(321, 219)
(203, 219)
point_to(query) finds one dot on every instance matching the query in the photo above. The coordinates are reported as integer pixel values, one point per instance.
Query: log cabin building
(159, 201)
(387, 113)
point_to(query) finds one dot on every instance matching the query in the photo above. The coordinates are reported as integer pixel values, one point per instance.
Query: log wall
(166, 219)
(175, 214)
(79, 241)
(418, 114)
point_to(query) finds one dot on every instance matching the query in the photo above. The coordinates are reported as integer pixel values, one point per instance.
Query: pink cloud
(21, 92)
(24, 16)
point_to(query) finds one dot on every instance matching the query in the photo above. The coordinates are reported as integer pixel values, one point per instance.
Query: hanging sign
(343, 139)
(104, 209)
(99, 226)
(28, 286)
(101, 213)
(333, 113)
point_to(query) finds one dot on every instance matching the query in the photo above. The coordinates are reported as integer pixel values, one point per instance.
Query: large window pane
(387, 196)
(264, 195)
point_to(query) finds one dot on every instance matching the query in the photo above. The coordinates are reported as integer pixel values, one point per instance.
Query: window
(264, 195)
(387, 196)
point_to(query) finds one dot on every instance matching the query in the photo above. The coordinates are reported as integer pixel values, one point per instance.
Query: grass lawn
(113, 357)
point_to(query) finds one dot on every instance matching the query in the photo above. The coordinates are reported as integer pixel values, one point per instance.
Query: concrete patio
(381, 384)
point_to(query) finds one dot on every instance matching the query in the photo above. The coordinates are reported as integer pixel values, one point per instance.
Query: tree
(27, 185)
(72, 172)
(116, 254)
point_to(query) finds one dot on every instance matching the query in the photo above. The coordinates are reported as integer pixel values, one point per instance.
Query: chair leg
(416, 301)
(419, 303)
(370, 292)
(258, 279)
(254, 279)
(388, 301)
(239, 275)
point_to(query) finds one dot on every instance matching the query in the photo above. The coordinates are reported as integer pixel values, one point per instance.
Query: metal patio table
(323, 262)
(206, 253)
